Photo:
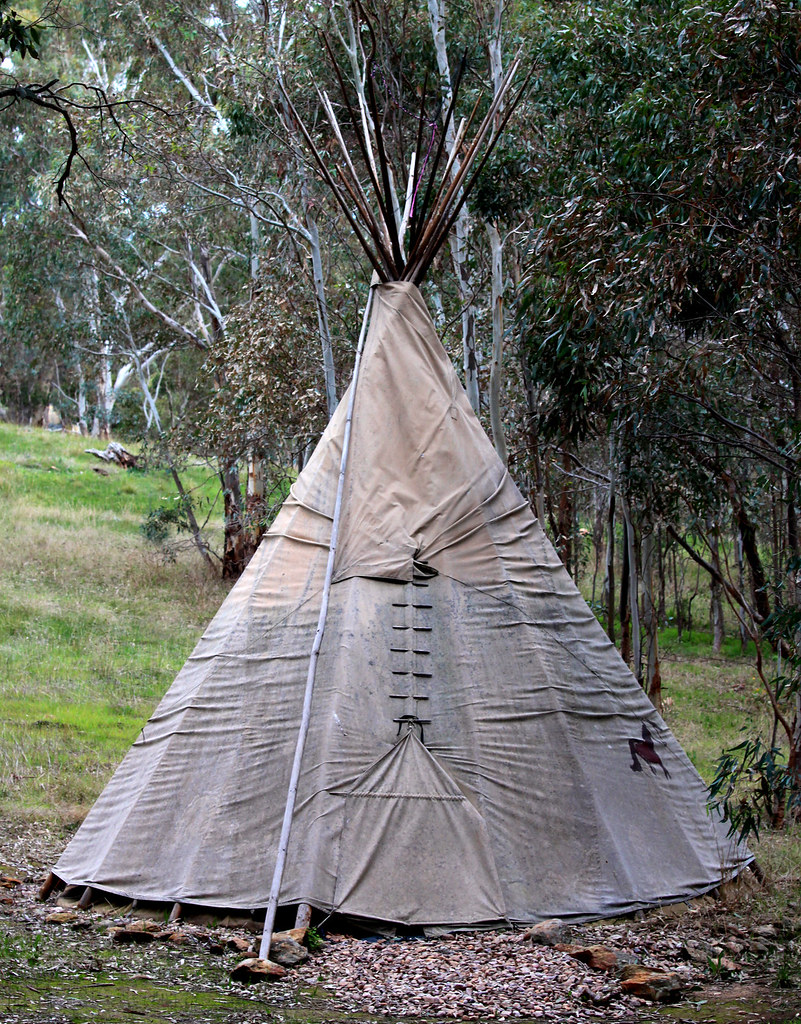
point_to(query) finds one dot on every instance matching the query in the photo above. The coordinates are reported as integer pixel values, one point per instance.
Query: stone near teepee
(254, 969)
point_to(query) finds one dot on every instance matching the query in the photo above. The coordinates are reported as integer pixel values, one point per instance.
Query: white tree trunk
(82, 425)
(152, 412)
(459, 240)
(322, 316)
(105, 390)
(255, 246)
(495, 53)
(496, 367)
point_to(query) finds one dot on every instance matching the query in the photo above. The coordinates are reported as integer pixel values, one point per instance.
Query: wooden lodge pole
(289, 810)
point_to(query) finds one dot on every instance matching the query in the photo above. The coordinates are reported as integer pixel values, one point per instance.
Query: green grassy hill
(94, 623)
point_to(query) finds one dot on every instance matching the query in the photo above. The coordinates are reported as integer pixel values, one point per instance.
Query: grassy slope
(94, 626)
(711, 701)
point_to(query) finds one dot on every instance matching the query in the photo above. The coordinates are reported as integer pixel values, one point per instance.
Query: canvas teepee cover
(477, 751)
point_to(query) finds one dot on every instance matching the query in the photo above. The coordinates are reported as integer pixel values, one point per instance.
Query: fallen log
(114, 453)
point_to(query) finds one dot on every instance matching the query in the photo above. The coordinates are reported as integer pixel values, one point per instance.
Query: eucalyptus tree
(663, 286)
(199, 193)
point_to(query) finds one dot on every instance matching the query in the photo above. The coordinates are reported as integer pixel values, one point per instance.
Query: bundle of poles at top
(433, 200)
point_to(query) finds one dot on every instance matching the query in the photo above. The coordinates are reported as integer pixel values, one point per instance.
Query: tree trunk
(539, 486)
(662, 572)
(466, 292)
(748, 534)
(82, 424)
(235, 552)
(609, 581)
(651, 618)
(322, 316)
(255, 505)
(495, 52)
(633, 595)
(255, 247)
(794, 758)
(459, 239)
(678, 596)
(255, 508)
(104, 393)
(235, 547)
(715, 589)
(104, 387)
(537, 498)
(794, 598)
(793, 595)
(625, 605)
(738, 553)
(597, 542)
(564, 540)
(548, 503)
(496, 368)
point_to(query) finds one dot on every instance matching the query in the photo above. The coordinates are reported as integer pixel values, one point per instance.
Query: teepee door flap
(414, 850)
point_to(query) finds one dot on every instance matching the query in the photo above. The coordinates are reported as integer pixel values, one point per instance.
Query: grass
(93, 624)
(709, 702)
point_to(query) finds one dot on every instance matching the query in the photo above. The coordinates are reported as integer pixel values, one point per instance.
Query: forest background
(621, 290)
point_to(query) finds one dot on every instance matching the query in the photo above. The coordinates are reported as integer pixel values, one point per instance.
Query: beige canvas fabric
(478, 752)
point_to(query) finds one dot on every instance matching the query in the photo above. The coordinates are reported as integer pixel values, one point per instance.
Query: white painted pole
(292, 792)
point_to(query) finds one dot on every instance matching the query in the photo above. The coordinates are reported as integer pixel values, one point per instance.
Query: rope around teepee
(292, 792)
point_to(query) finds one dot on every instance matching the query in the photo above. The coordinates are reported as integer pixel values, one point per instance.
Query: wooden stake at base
(86, 900)
(303, 915)
(50, 884)
(175, 913)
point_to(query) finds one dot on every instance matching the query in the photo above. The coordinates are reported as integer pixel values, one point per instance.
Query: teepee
(474, 750)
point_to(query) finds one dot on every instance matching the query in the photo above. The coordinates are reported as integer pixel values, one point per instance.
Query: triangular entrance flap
(414, 850)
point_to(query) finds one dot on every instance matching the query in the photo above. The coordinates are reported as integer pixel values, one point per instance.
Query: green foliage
(244, 124)
(783, 628)
(752, 784)
(272, 401)
(671, 191)
(128, 419)
(505, 188)
(158, 523)
(16, 35)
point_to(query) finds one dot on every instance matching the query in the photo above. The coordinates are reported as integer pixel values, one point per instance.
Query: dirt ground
(734, 958)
